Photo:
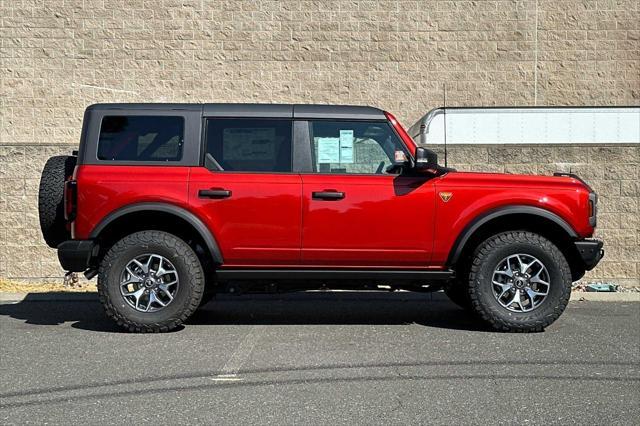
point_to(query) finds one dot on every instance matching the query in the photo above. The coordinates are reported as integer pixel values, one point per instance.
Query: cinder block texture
(58, 56)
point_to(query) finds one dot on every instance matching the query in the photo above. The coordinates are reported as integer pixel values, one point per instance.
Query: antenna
(445, 123)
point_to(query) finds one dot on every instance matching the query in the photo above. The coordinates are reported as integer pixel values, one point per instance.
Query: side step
(332, 274)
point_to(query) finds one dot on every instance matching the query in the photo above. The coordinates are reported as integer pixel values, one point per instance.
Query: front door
(354, 212)
(247, 194)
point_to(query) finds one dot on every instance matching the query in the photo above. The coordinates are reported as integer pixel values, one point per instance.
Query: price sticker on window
(346, 146)
(328, 150)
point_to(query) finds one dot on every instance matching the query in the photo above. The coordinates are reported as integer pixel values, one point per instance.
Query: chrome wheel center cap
(148, 283)
(520, 282)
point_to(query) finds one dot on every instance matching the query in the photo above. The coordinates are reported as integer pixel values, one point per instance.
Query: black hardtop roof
(304, 111)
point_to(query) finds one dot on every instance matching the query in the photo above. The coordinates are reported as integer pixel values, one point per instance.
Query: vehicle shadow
(86, 313)
(57, 308)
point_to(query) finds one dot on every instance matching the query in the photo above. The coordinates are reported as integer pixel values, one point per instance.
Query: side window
(353, 146)
(141, 138)
(250, 145)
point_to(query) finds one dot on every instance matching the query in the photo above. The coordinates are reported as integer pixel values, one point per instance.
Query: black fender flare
(482, 219)
(180, 212)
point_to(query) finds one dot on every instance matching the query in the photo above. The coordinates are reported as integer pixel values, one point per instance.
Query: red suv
(169, 204)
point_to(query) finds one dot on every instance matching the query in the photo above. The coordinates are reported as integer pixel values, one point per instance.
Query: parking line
(241, 354)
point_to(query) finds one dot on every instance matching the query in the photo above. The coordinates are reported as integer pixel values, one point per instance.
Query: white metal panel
(542, 125)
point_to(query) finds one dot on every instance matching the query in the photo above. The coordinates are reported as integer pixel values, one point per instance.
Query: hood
(557, 180)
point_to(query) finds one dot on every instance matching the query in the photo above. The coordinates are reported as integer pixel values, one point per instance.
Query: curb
(9, 298)
(605, 297)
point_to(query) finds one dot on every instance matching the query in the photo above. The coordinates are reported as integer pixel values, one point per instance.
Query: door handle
(327, 195)
(214, 193)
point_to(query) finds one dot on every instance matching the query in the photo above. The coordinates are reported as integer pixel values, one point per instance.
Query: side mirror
(426, 159)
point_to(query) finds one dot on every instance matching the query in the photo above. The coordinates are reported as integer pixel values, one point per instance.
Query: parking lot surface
(318, 358)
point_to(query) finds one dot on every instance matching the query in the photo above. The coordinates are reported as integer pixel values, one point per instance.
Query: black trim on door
(302, 157)
(332, 274)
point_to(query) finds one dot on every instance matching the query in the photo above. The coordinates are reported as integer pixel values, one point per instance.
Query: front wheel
(150, 281)
(519, 281)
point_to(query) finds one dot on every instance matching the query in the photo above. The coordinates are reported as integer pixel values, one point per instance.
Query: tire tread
(51, 198)
(141, 239)
(533, 321)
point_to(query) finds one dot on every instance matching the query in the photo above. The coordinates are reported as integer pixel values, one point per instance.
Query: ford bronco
(169, 204)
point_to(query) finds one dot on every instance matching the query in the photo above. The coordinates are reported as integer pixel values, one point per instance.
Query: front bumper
(590, 251)
(76, 255)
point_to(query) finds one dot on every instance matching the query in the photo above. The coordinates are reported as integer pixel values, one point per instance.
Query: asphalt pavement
(318, 358)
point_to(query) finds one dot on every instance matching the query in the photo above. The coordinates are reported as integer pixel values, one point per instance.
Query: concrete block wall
(58, 56)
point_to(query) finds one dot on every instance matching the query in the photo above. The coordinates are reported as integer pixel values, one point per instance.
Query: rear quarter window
(141, 138)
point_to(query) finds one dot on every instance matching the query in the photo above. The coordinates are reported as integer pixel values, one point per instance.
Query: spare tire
(51, 198)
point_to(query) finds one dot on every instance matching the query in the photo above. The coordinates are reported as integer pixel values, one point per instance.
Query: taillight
(70, 200)
(593, 209)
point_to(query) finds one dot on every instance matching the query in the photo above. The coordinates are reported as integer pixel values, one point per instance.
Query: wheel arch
(150, 215)
(530, 218)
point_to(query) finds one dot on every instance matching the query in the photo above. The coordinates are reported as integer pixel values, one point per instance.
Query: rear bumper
(76, 255)
(590, 251)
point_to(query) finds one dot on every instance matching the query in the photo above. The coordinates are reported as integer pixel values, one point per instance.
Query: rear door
(246, 191)
(355, 213)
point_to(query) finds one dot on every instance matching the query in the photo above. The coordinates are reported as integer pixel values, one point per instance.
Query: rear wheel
(51, 198)
(519, 281)
(150, 281)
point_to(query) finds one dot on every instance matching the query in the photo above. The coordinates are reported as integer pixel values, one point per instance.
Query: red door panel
(258, 223)
(381, 221)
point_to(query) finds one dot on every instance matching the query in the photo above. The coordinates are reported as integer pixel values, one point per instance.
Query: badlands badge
(446, 196)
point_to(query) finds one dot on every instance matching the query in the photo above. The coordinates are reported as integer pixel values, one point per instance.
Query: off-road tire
(51, 198)
(490, 253)
(188, 295)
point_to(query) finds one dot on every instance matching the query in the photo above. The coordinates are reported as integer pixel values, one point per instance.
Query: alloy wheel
(149, 283)
(520, 282)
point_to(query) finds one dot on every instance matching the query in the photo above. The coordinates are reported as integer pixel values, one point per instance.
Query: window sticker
(328, 150)
(346, 146)
(255, 144)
